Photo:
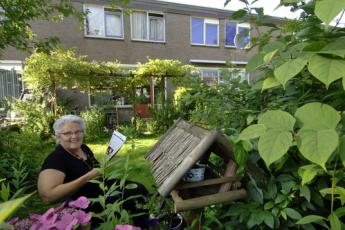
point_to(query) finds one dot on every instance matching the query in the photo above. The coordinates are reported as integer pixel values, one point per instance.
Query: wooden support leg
(196, 216)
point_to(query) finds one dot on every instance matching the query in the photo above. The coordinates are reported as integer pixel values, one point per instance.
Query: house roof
(178, 8)
(180, 148)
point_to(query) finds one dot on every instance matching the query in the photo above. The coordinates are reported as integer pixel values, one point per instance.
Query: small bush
(95, 123)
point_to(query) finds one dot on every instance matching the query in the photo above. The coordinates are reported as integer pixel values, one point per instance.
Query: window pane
(242, 38)
(211, 34)
(198, 30)
(230, 33)
(210, 76)
(113, 24)
(139, 25)
(156, 28)
(95, 21)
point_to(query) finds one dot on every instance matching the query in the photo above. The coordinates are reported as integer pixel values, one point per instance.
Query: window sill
(101, 37)
(148, 41)
(203, 45)
(235, 47)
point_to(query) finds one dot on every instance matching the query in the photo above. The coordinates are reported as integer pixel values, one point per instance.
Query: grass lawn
(139, 169)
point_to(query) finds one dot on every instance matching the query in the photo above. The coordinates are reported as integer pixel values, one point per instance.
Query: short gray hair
(68, 119)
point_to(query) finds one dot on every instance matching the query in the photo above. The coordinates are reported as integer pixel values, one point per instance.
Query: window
(103, 22)
(210, 76)
(205, 31)
(237, 35)
(215, 76)
(230, 73)
(147, 26)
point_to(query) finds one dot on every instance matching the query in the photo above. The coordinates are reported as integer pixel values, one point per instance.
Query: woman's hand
(94, 173)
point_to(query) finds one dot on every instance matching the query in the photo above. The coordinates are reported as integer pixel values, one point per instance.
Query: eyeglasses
(70, 134)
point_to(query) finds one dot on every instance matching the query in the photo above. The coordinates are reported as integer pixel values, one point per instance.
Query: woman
(66, 172)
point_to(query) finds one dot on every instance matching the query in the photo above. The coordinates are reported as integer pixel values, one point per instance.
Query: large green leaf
(317, 145)
(268, 57)
(255, 62)
(327, 10)
(336, 48)
(309, 172)
(310, 219)
(275, 45)
(335, 222)
(317, 116)
(252, 132)
(269, 82)
(339, 191)
(289, 69)
(292, 213)
(8, 207)
(273, 145)
(327, 70)
(277, 119)
(342, 149)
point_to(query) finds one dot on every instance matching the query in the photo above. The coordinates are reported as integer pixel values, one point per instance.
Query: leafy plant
(299, 132)
(95, 123)
(113, 213)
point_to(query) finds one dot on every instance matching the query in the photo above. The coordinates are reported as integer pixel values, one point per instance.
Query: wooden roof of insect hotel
(179, 149)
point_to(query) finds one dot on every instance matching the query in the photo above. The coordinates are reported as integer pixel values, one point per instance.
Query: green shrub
(36, 118)
(95, 123)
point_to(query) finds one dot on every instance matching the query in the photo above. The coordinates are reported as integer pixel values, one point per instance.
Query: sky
(268, 5)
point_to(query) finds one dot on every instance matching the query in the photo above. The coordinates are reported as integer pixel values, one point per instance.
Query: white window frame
(109, 9)
(241, 69)
(201, 69)
(148, 27)
(213, 21)
(238, 25)
(219, 70)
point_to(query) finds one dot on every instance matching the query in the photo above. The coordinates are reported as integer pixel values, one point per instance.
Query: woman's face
(71, 136)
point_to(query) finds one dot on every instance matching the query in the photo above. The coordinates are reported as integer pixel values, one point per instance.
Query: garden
(286, 129)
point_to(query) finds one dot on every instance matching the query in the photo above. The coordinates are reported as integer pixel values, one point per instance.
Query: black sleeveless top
(74, 168)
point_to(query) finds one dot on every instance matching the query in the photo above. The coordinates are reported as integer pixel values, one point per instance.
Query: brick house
(145, 29)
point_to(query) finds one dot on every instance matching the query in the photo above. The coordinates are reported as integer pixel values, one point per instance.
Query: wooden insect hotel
(182, 148)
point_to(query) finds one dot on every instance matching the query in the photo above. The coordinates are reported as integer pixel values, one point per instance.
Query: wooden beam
(208, 182)
(208, 200)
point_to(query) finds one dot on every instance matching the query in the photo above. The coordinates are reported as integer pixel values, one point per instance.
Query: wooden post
(207, 200)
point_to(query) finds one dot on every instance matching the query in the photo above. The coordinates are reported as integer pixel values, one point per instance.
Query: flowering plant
(126, 227)
(68, 215)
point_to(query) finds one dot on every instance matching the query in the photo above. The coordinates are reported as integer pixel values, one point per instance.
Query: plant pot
(142, 110)
(195, 174)
(172, 221)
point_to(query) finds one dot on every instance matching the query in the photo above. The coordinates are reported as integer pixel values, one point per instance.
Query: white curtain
(113, 24)
(95, 21)
(156, 28)
(139, 25)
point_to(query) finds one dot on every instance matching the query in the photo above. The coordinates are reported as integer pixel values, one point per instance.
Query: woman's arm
(51, 187)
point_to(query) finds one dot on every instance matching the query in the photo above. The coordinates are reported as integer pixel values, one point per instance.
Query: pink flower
(13, 221)
(34, 216)
(67, 221)
(126, 227)
(81, 202)
(82, 217)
